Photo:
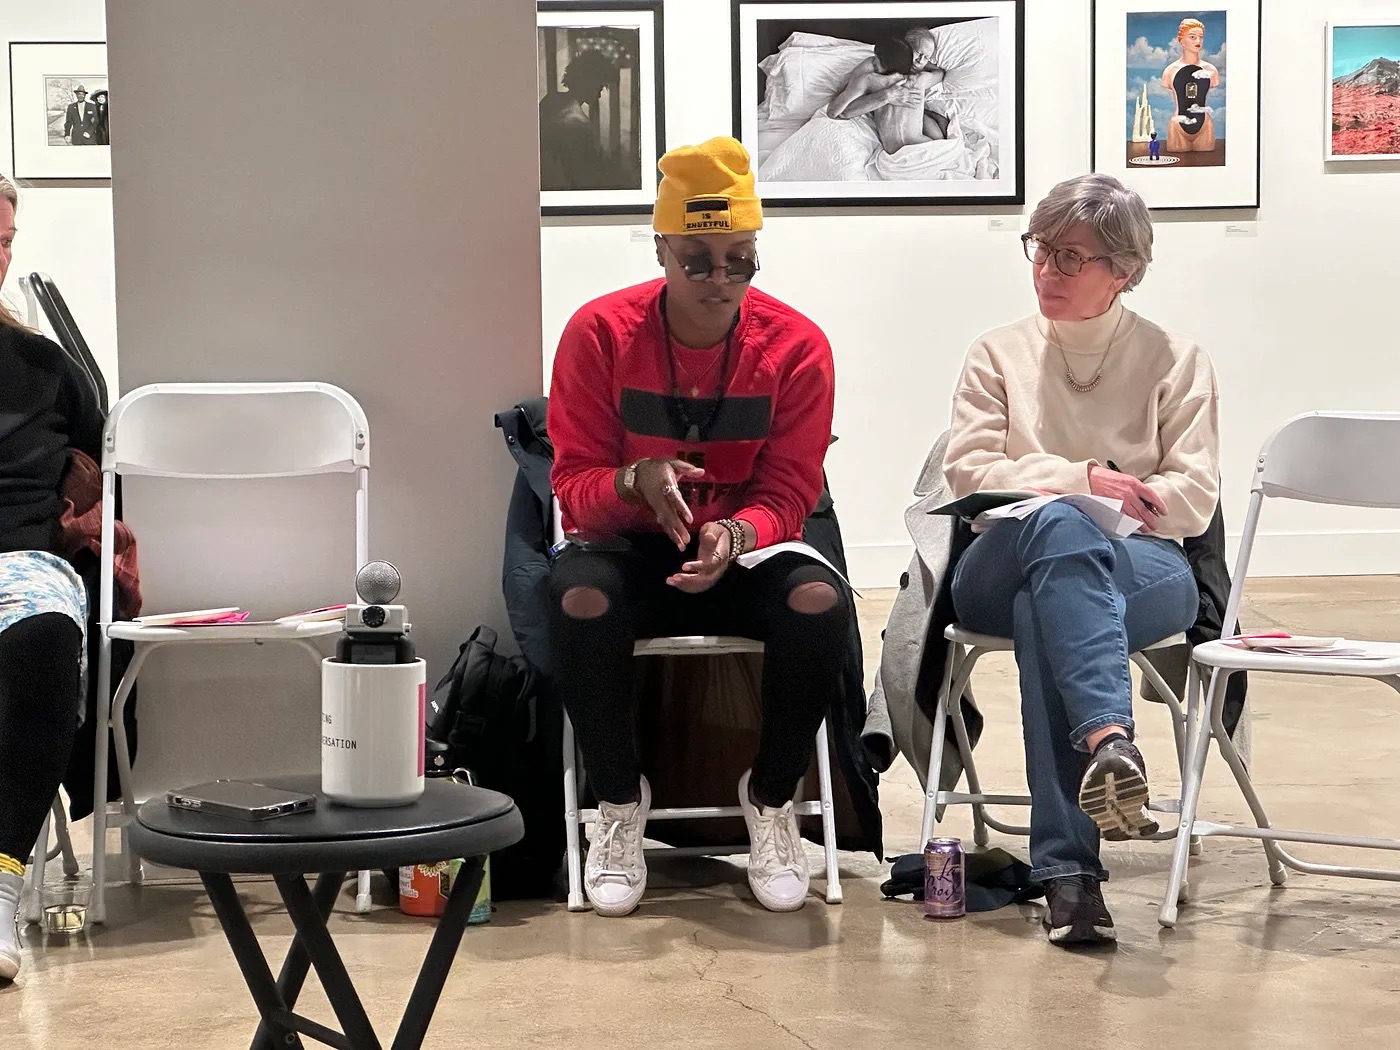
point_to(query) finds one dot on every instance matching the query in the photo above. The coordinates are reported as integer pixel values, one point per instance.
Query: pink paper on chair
(215, 621)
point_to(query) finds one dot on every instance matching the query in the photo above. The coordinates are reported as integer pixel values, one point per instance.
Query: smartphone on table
(241, 799)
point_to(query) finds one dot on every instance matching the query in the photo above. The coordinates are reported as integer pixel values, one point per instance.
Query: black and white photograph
(78, 111)
(904, 103)
(59, 99)
(601, 88)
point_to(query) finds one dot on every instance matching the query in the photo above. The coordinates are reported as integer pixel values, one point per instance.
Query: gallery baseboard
(878, 565)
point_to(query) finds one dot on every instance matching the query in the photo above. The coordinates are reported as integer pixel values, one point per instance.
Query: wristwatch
(628, 485)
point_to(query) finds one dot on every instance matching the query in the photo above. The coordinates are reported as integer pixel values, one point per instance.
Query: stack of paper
(233, 616)
(1281, 643)
(985, 509)
(1106, 513)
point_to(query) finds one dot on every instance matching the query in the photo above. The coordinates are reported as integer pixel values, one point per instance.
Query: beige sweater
(1017, 424)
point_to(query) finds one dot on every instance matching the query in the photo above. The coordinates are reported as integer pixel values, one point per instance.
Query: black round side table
(450, 820)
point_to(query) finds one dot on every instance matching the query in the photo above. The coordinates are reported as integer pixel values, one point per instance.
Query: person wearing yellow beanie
(690, 418)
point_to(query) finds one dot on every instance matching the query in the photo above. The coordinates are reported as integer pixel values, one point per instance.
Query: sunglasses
(698, 266)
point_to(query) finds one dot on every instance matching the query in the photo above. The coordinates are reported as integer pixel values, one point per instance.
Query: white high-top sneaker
(9, 941)
(615, 876)
(777, 859)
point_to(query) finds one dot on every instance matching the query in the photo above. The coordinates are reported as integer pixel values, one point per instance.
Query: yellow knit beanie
(707, 188)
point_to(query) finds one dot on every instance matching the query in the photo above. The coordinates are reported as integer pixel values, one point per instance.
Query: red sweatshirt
(610, 404)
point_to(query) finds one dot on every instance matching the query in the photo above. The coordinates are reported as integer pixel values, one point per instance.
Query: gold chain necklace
(1075, 384)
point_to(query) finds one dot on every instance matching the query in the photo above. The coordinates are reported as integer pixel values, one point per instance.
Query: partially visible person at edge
(45, 408)
(1084, 397)
(690, 418)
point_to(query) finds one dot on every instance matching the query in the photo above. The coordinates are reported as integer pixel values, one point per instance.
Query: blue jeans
(1076, 603)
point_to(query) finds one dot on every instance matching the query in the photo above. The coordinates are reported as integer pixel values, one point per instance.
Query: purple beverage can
(945, 880)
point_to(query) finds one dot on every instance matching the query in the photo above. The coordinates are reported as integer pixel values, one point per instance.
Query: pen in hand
(1149, 504)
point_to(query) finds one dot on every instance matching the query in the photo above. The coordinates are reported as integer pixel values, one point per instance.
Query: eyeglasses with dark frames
(1068, 261)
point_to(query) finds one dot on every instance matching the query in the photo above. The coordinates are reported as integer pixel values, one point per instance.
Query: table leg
(250, 957)
(312, 932)
(446, 940)
(298, 963)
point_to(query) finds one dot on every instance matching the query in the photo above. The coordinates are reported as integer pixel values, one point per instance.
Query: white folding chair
(680, 647)
(965, 648)
(203, 431)
(1345, 459)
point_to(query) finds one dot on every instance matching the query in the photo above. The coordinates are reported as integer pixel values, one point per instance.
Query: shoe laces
(776, 842)
(620, 841)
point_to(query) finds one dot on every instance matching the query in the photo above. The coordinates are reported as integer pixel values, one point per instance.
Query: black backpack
(497, 717)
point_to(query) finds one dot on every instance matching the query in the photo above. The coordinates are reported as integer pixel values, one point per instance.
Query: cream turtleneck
(1017, 423)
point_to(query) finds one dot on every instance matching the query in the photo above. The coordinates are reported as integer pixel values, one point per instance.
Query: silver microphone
(378, 583)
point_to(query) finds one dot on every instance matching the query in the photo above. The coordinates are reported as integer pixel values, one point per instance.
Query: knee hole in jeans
(584, 603)
(812, 598)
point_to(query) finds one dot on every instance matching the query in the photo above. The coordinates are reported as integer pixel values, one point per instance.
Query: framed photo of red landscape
(1363, 91)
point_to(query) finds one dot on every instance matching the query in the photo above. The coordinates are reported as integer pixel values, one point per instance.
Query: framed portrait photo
(1363, 90)
(1176, 100)
(918, 102)
(59, 110)
(602, 105)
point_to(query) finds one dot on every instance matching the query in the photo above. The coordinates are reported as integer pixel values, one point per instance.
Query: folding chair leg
(1198, 737)
(974, 784)
(833, 870)
(574, 859)
(1278, 874)
(929, 826)
(129, 857)
(65, 840)
(31, 905)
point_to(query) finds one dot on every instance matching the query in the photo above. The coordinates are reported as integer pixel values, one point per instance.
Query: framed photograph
(876, 103)
(1174, 117)
(1363, 91)
(602, 99)
(59, 111)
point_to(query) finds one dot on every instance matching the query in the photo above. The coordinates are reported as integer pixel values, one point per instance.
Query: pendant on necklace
(695, 391)
(693, 434)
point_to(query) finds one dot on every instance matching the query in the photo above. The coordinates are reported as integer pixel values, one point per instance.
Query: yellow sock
(10, 866)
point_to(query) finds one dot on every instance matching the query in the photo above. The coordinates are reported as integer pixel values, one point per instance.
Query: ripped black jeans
(593, 668)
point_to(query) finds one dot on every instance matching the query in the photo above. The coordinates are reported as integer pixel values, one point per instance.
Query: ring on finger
(669, 489)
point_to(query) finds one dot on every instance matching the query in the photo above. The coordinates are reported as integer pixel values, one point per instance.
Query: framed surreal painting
(1363, 90)
(602, 101)
(59, 111)
(1176, 100)
(873, 103)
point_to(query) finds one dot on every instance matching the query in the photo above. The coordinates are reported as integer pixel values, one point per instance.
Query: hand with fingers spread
(1139, 501)
(711, 560)
(657, 483)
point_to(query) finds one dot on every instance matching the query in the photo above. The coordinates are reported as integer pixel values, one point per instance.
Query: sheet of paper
(758, 557)
(1106, 513)
(1319, 648)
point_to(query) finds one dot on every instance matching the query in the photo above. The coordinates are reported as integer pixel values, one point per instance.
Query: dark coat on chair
(525, 580)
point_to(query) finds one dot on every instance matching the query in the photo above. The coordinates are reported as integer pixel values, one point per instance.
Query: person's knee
(813, 598)
(1063, 526)
(584, 603)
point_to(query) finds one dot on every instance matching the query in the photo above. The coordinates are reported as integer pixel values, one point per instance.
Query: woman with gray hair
(1084, 397)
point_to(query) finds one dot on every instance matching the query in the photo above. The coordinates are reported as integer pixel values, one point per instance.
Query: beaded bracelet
(737, 540)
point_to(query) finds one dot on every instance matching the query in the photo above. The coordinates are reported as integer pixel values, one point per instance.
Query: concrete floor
(1315, 964)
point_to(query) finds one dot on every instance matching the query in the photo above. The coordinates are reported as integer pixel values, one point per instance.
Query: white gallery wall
(65, 227)
(1299, 313)
(288, 206)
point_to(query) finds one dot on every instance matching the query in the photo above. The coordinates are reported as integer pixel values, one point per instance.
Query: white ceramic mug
(372, 729)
